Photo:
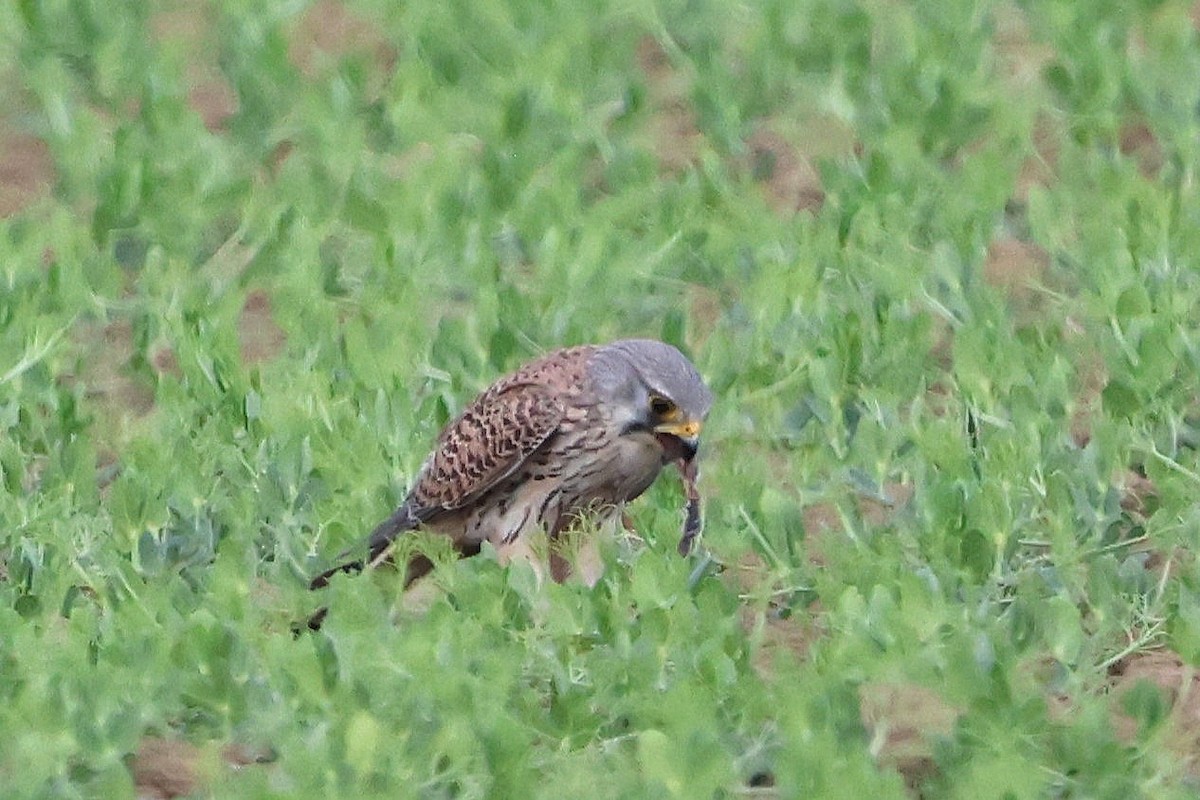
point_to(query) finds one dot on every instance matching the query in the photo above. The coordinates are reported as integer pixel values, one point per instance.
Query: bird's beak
(687, 432)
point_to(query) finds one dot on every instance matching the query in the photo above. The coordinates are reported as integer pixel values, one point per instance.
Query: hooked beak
(686, 437)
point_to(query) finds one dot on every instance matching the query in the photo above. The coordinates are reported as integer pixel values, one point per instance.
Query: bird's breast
(636, 461)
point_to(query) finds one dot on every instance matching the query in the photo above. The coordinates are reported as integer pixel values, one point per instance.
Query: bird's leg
(560, 567)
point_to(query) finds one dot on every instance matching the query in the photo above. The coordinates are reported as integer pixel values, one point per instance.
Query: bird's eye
(661, 406)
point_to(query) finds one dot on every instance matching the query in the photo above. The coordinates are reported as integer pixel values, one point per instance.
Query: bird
(574, 434)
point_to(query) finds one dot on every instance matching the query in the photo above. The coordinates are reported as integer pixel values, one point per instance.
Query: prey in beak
(678, 433)
(679, 440)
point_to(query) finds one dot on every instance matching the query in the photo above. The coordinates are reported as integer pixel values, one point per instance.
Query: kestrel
(578, 432)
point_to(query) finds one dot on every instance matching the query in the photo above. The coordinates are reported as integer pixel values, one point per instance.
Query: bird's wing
(494, 435)
(486, 444)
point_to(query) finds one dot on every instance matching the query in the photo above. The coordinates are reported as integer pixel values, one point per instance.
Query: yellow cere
(686, 429)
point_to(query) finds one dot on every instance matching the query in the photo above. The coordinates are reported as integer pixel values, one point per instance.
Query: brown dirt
(1038, 169)
(26, 171)
(117, 397)
(107, 350)
(762, 617)
(772, 633)
(1019, 269)
(167, 768)
(901, 720)
(785, 154)
(164, 768)
(1014, 266)
(1138, 142)
(673, 130)
(705, 315)
(1176, 562)
(823, 522)
(789, 178)
(1179, 686)
(165, 362)
(402, 166)
(793, 636)
(1021, 57)
(212, 98)
(1136, 491)
(1091, 378)
(781, 154)
(328, 31)
(189, 29)
(261, 339)
(877, 513)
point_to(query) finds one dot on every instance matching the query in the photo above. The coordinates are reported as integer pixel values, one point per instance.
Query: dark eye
(661, 405)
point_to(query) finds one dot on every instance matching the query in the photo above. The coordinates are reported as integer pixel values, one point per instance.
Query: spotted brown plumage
(498, 431)
(580, 430)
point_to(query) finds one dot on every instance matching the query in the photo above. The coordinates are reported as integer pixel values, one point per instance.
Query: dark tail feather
(377, 544)
(418, 567)
(314, 622)
(386, 532)
(322, 580)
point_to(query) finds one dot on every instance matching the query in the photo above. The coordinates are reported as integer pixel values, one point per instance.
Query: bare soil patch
(26, 171)
(903, 720)
(163, 769)
(328, 30)
(261, 339)
(1178, 684)
(189, 29)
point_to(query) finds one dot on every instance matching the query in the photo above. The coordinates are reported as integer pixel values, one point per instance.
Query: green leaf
(1134, 302)
(659, 760)
(362, 741)
(1119, 399)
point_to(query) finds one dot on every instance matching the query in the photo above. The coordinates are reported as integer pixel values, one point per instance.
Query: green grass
(939, 262)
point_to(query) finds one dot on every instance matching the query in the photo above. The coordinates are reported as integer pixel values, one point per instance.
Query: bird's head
(653, 388)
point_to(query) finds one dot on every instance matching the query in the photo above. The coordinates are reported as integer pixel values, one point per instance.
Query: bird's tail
(377, 546)
(322, 580)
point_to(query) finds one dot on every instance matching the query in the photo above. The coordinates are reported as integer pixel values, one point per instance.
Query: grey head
(651, 387)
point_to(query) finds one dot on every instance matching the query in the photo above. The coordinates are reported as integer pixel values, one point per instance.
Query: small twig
(29, 359)
(1162, 579)
(781, 592)
(1175, 465)
(1108, 548)
(1149, 635)
(760, 538)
